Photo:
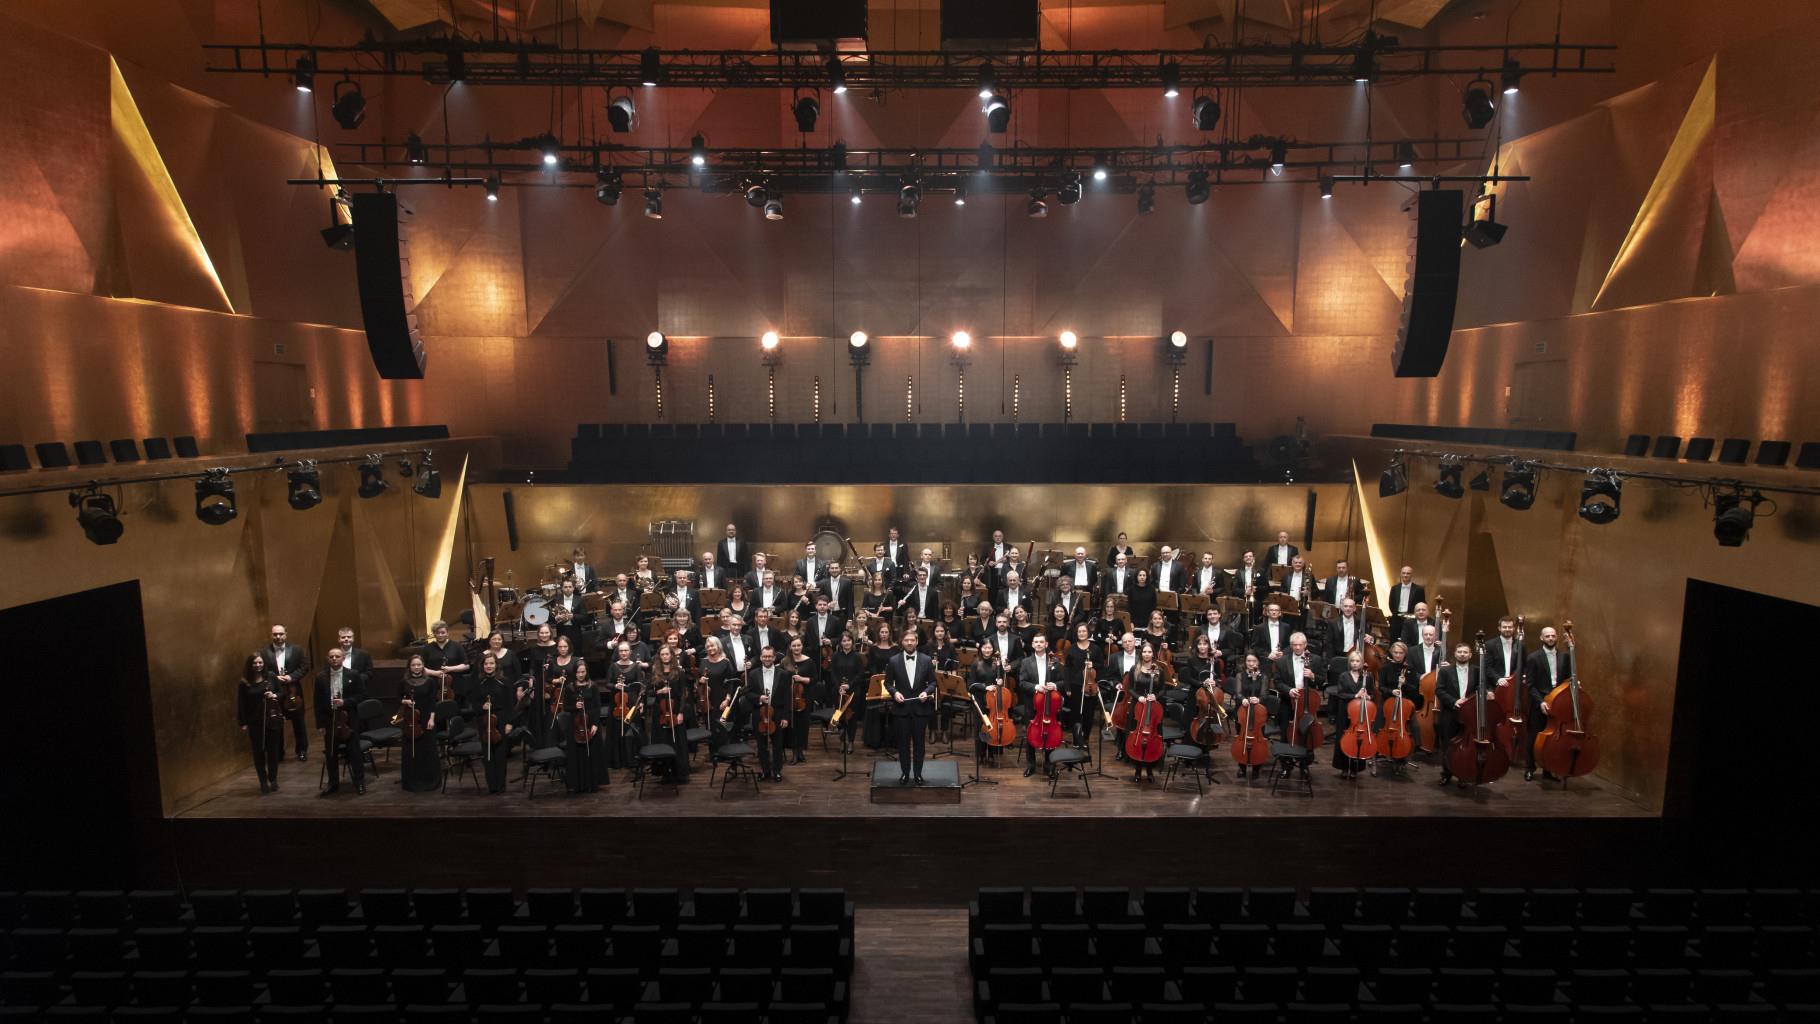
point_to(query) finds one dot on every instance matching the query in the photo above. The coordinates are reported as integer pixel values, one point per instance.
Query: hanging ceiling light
(1600, 497)
(1198, 190)
(998, 113)
(372, 478)
(97, 515)
(550, 148)
(303, 74)
(1519, 490)
(909, 198)
(1172, 79)
(1326, 186)
(1205, 113)
(698, 150)
(1394, 481)
(415, 152)
(654, 204)
(1512, 77)
(1279, 156)
(806, 109)
(1447, 481)
(1035, 206)
(651, 66)
(1733, 515)
(620, 113)
(215, 498)
(607, 187)
(1146, 198)
(429, 481)
(350, 107)
(1477, 105)
(304, 486)
(837, 75)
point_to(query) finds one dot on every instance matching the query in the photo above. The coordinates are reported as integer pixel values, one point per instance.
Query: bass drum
(536, 611)
(830, 547)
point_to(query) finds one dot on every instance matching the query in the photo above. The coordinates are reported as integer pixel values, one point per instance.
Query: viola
(995, 718)
(797, 701)
(1567, 747)
(444, 691)
(580, 721)
(1249, 747)
(1396, 738)
(767, 720)
(1045, 730)
(490, 733)
(344, 726)
(273, 711)
(412, 722)
(1358, 742)
(1144, 743)
(1481, 752)
(293, 697)
(1425, 718)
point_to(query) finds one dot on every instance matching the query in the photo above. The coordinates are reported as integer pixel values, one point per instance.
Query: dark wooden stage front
(812, 831)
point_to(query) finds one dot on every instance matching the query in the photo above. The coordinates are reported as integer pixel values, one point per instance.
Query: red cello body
(1144, 743)
(1045, 730)
(1358, 741)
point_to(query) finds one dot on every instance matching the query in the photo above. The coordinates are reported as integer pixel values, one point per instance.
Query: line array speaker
(1432, 283)
(382, 263)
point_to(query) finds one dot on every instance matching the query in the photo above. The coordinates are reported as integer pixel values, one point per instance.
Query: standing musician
(897, 550)
(847, 676)
(983, 677)
(1156, 634)
(717, 670)
(712, 576)
(811, 568)
(624, 675)
(1041, 673)
(1346, 634)
(1005, 642)
(1355, 681)
(1398, 676)
(1057, 628)
(618, 626)
(910, 677)
(882, 568)
(1546, 668)
(1080, 571)
(993, 556)
(1118, 579)
(1107, 626)
(587, 760)
(763, 634)
(420, 764)
(1203, 666)
(1457, 681)
(1401, 602)
(1283, 552)
(666, 681)
(1226, 641)
(1250, 582)
(1271, 637)
(264, 736)
(447, 659)
(926, 560)
(768, 685)
(1120, 546)
(1295, 671)
(1076, 656)
(737, 645)
(570, 613)
(1140, 597)
(288, 665)
(1338, 587)
(1416, 625)
(1251, 685)
(623, 595)
(643, 577)
(499, 693)
(1293, 581)
(922, 598)
(1207, 578)
(823, 628)
(877, 597)
(755, 576)
(509, 667)
(766, 593)
(1072, 602)
(1145, 683)
(732, 551)
(1169, 575)
(806, 672)
(339, 687)
(584, 575)
(682, 595)
(839, 590)
(353, 658)
(1504, 659)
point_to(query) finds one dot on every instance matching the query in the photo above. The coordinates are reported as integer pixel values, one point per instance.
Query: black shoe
(301, 756)
(1445, 779)
(1550, 776)
(330, 791)
(274, 785)
(264, 786)
(920, 782)
(360, 789)
(1029, 770)
(1529, 775)
(777, 776)
(903, 781)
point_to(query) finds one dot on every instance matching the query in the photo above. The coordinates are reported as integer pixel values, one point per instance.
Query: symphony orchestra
(1042, 656)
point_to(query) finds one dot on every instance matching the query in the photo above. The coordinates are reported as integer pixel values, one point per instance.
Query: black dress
(723, 679)
(1140, 683)
(421, 761)
(613, 728)
(848, 669)
(1344, 690)
(266, 743)
(1403, 678)
(1140, 602)
(661, 733)
(496, 756)
(873, 602)
(879, 722)
(981, 675)
(812, 698)
(587, 767)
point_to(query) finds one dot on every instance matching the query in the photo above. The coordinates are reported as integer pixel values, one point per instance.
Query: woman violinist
(1156, 634)
(1145, 684)
(947, 658)
(1076, 657)
(1251, 685)
(847, 687)
(586, 745)
(266, 740)
(879, 719)
(668, 683)
(495, 695)
(1058, 630)
(1203, 664)
(1352, 684)
(1398, 677)
(806, 672)
(875, 597)
(1108, 627)
(624, 678)
(422, 765)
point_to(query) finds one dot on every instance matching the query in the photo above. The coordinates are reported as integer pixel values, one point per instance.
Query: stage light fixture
(1070, 191)
(654, 204)
(854, 196)
(909, 198)
(1146, 199)
(492, 187)
(960, 196)
(837, 76)
(774, 208)
(1205, 113)
(1519, 491)
(1600, 496)
(1035, 206)
(1069, 340)
(1512, 77)
(1477, 106)
(304, 488)
(657, 342)
(303, 74)
(857, 340)
(1100, 169)
(998, 114)
(372, 478)
(756, 196)
(429, 481)
(550, 148)
(1326, 186)
(1279, 155)
(1365, 62)
(806, 110)
(406, 469)
(457, 66)
(988, 81)
(1198, 189)
(1178, 339)
(698, 150)
(1447, 481)
(1406, 154)
(1485, 231)
(987, 156)
(350, 107)
(837, 158)
(768, 341)
(1394, 481)
(339, 236)
(415, 152)
(962, 340)
(215, 498)
(620, 113)
(607, 187)
(1482, 482)
(1732, 518)
(650, 66)
(98, 517)
(857, 353)
(1172, 79)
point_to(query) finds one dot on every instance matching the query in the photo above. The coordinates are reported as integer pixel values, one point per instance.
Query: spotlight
(414, 150)
(1172, 79)
(1394, 481)
(492, 187)
(1599, 497)
(406, 469)
(962, 340)
(1512, 78)
(429, 481)
(837, 76)
(960, 196)
(857, 353)
(620, 113)
(1326, 186)
(1447, 484)
(1406, 154)
(806, 110)
(768, 341)
(350, 107)
(857, 340)
(756, 196)
(988, 81)
(1070, 191)
(372, 478)
(908, 199)
(1034, 206)
(1482, 482)
(1205, 113)
(457, 66)
(1519, 488)
(339, 236)
(305, 487)
(215, 498)
(1731, 522)
(654, 204)
(1279, 155)
(1178, 339)
(837, 158)
(657, 342)
(1365, 62)
(650, 66)
(96, 514)
(698, 151)
(607, 187)
(998, 113)
(1146, 199)
(1478, 106)
(1099, 170)
(1069, 340)
(854, 196)
(304, 76)
(774, 208)
(1198, 189)
(551, 150)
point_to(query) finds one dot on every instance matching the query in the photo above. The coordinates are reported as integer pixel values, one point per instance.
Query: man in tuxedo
(1014, 595)
(765, 635)
(1167, 574)
(1040, 673)
(340, 686)
(1121, 546)
(768, 594)
(1283, 552)
(769, 685)
(1415, 624)
(1339, 586)
(1344, 634)
(683, 590)
(618, 626)
(926, 560)
(910, 676)
(821, 629)
(1455, 683)
(712, 576)
(755, 577)
(995, 553)
(353, 658)
(1400, 603)
(1009, 645)
(922, 598)
(1301, 668)
(840, 594)
(1249, 581)
(1207, 577)
(1225, 640)
(1546, 668)
(1504, 659)
(1120, 576)
(897, 550)
(622, 592)
(1427, 655)
(1071, 601)
(291, 666)
(732, 552)
(1271, 637)
(811, 567)
(569, 613)
(584, 574)
(738, 644)
(882, 566)
(1081, 571)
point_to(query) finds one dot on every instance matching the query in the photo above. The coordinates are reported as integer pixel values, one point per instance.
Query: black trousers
(912, 733)
(268, 751)
(771, 748)
(300, 733)
(499, 761)
(335, 753)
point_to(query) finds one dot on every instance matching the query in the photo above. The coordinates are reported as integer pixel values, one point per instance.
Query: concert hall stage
(813, 831)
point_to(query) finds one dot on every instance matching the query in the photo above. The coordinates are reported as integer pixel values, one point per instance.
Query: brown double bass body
(1568, 747)
(1511, 694)
(1480, 753)
(1425, 718)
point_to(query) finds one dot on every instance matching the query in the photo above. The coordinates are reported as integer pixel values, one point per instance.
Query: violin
(1425, 718)
(767, 720)
(1567, 747)
(703, 700)
(1358, 742)
(552, 692)
(582, 729)
(1249, 747)
(1395, 738)
(272, 707)
(1144, 743)
(1045, 730)
(444, 691)
(995, 719)
(1481, 751)
(410, 720)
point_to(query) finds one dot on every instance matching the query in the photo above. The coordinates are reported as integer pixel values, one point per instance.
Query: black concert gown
(421, 762)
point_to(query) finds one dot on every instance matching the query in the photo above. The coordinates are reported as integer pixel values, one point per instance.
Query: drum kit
(533, 606)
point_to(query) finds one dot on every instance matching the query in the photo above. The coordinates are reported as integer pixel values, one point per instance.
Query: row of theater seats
(910, 453)
(56, 454)
(429, 954)
(1338, 954)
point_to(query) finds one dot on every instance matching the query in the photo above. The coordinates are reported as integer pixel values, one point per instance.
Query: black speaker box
(52, 455)
(1699, 449)
(1000, 25)
(90, 453)
(1432, 284)
(1667, 447)
(1733, 450)
(12, 458)
(382, 261)
(125, 449)
(818, 24)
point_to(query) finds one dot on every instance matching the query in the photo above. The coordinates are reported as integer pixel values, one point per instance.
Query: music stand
(1195, 604)
(976, 779)
(1167, 600)
(1277, 571)
(1235, 610)
(1289, 605)
(650, 602)
(949, 685)
(711, 600)
(1102, 722)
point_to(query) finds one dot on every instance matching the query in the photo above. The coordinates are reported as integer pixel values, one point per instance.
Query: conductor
(911, 677)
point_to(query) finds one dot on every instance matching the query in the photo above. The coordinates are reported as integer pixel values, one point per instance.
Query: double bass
(1425, 718)
(1567, 747)
(1481, 751)
(1510, 690)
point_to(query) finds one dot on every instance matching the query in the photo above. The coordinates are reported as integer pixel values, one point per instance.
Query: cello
(1481, 752)
(1045, 729)
(1144, 741)
(1567, 747)
(1425, 718)
(1249, 747)
(1358, 742)
(1396, 739)
(1210, 712)
(995, 719)
(1305, 706)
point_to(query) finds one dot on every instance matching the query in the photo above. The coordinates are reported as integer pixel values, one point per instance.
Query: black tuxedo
(734, 557)
(1171, 571)
(1394, 599)
(1010, 652)
(1494, 658)
(579, 617)
(1284, 669)
(770, 748)
(901, 556)
(1412, 631)
(931, 604)
(1260, 638)
(353, 691)
(1216, 583)
(1326, 590)
(689, 599)
(1026, 684)
(1001, 600)
(1275, 555)
(1110, 580)
(1260, 581)
(813, 634)
(585, 577)
(876, 566)
(722, 577)
(1418, 659)
(1451, 683)
(1229, 645)
(777, 638)
(1536, 678)
(358, 660)
(780, 597)
(911, 680)
(1093, 575)
(745, 639)
(1078, 608)
(297, 667)
(836, 586)
(822, 567)
(1336, 636)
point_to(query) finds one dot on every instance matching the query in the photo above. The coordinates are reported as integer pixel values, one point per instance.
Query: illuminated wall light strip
(960, 395)
(818, 398)
(658, 371)
(771, 393)
(1121, 398)
(1017, 386)
(909, 397)
(1175, 400)
(710, 398)
(1068, 394)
